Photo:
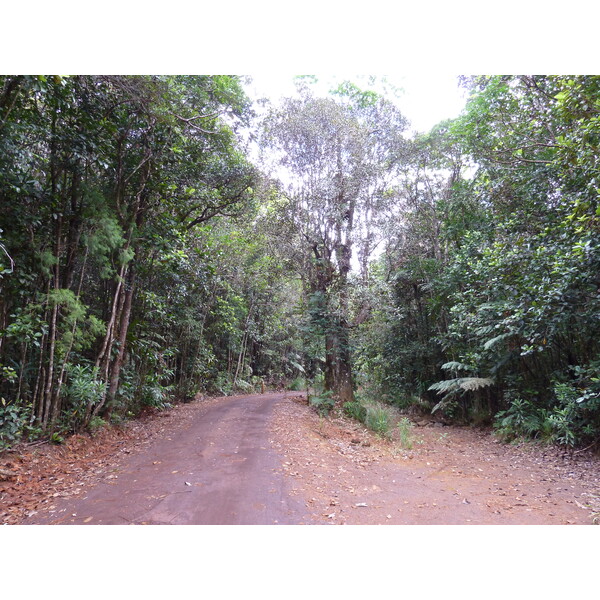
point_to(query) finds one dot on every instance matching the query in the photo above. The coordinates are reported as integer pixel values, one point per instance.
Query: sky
(424, 100)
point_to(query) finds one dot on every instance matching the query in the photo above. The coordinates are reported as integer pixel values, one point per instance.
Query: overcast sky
(424, 100)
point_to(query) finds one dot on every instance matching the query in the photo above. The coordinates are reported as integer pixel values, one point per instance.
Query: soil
(449, 475)
(321, 470)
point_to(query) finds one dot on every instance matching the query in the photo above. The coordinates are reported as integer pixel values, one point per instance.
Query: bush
(223, 384)
(13, 423)
(96, 423)
(298, 384)
(156, 396)
(83, 389)
(323, 403)
(355, 410)
(570, 422)
(522, 419)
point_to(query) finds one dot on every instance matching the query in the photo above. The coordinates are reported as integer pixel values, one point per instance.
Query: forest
(163, 236)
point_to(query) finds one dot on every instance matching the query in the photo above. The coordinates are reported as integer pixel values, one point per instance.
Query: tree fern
(451, 387)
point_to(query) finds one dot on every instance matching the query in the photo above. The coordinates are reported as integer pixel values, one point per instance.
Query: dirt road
(269, 459)
(218, 468)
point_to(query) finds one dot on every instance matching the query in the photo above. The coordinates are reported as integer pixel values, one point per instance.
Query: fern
(470, 384)
(490, 343)
(454, 365)
(452, 387)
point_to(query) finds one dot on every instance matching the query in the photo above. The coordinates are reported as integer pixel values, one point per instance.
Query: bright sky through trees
(424, 99)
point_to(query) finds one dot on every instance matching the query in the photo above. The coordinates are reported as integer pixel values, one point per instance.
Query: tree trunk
(119, 360)
(338, 366)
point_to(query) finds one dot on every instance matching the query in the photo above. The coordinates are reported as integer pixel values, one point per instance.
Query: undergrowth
(382, 419)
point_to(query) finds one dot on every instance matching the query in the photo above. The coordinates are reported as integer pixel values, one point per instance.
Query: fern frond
(454, 365)
(451, 387)
(495, 340)
(470, 384)
(460, 384)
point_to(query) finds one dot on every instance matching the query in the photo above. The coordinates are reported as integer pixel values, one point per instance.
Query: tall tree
(102, 177)
(336, 155)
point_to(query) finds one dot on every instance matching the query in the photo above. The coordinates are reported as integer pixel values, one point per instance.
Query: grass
(405, 433)
(378, 419)
(382, 419)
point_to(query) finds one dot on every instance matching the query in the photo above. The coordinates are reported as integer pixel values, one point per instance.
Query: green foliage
(104, 181)
(405, 433)
(522, 419)
(297, 384)
(155, 395)
(13, 423)
(96, 424)
(136, 235)
(355, 410)
(8, 374)
(572, 419)
(323, 403)
(449, 389)
(104, 238)
(83, 391)
(379, 419)
(493, 280)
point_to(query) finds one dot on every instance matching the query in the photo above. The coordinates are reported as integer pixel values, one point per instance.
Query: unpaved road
(269, 459)
(217, 469)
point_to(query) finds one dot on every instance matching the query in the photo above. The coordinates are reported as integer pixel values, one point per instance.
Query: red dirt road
(269, 459)
(217, 469)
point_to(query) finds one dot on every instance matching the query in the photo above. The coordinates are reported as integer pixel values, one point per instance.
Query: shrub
(298, 384)
(13, 423)
(96, 423)
(521, 419)
(323, 403)
(355, 410)
(83, 389)
(156, 396)
(572, 421)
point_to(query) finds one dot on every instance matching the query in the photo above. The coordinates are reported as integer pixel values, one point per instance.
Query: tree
(100, 178)
(338, 156)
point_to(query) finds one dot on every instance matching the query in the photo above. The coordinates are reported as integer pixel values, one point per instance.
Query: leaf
(495, 340)
(474, 383)
(465, 384)
(297, 365)
(456, 366)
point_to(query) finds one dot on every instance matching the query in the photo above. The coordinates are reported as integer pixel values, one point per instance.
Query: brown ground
(450, 476)
(340, 472)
